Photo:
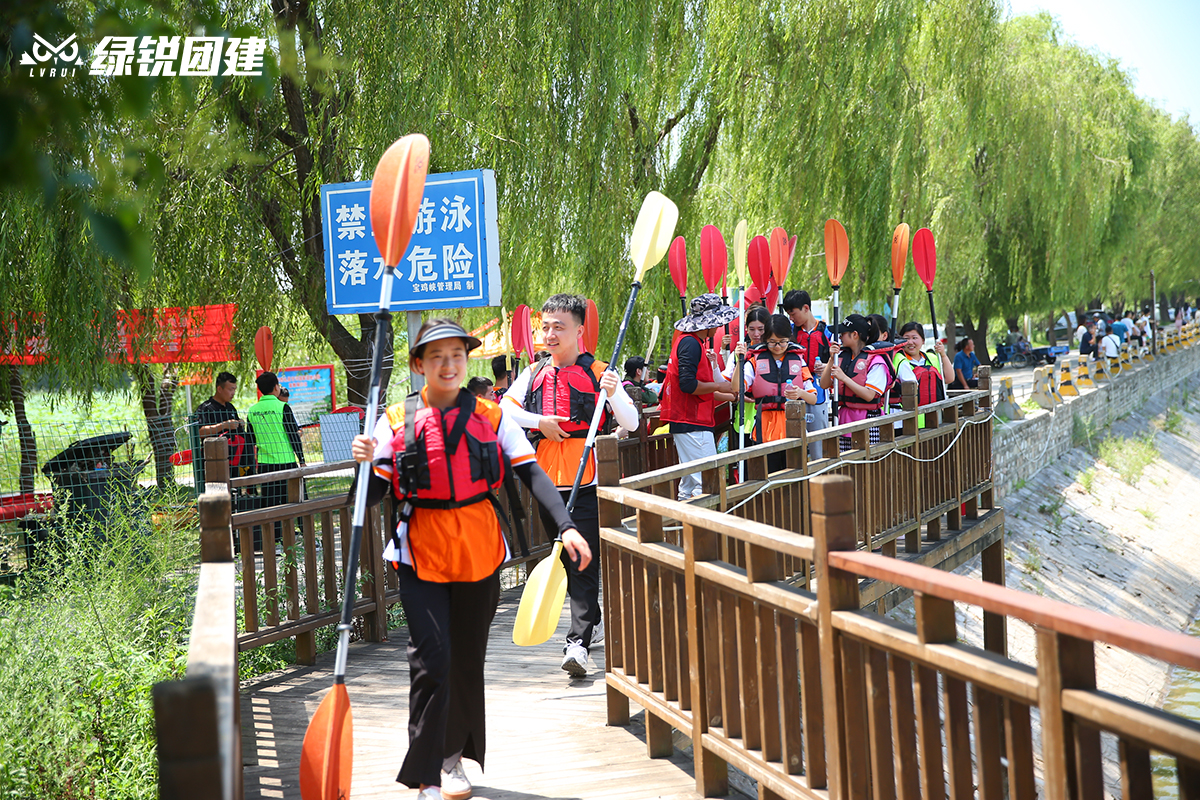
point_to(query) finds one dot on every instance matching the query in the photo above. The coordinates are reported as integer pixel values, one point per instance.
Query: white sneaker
(455, 785)
(575, 661)
(430, 793)
(598, 632)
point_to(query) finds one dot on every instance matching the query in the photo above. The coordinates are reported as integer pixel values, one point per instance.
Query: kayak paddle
(396, 191)
(591, 328)
(899, 260)
(677, 264)
(837, 255)
(925, 260)
(714, 256)
(542, 599)
(653, 339)
(739, 269)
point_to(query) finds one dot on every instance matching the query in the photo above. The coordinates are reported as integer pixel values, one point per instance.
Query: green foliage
(84, 638)
(1173, 421)
(1129, 457)
(1087, 479)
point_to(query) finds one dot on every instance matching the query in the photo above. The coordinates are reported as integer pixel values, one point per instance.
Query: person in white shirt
(1110, 345)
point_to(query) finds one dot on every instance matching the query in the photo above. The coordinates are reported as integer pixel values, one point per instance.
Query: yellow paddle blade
(652, 233)
(542, 601)
(739, 251)
(325, 758)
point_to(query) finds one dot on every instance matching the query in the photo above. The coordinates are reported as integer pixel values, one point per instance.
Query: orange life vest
(677, 405)
(450, 462)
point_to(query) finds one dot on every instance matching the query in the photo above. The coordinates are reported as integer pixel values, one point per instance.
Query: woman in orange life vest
(865, 375)
(912, 363)
(448, 548)
(775, 373)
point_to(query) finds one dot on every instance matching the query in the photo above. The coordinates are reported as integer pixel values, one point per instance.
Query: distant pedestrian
(813, 338)
(502, 377)
(480, 387)
(636, 373)
(217, 416)
(1110, 344)
(272, 430)
(693, 377)
(1087, 342)
(965, 362)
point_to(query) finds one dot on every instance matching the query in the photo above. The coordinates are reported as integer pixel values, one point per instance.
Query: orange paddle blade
(677, 264)
(396, 191)
(759, 260)
(714, 257)
(522, 334)
(591, 328)
(925, 256)
(899, 254)
(328, 750)
(779, 254)
(837, 251)
(264, 348)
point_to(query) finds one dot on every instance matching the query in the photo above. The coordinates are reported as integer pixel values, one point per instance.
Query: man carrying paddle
(557, 397)
(693, 376)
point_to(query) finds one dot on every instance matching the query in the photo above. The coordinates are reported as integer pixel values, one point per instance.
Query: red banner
(194, 335)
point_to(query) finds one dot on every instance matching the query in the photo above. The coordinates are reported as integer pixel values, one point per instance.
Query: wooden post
(712, 773)
(608, 473)
(216, 461)
(1070, 752)
(911, 470)
(832, 498)
(216, 537)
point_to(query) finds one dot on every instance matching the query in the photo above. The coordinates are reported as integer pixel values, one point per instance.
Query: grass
(1129, 457)
(1148, 514)
(1084, 433)
(1087, 479)
(1173, 421)
(101, 621)
(1033, 559)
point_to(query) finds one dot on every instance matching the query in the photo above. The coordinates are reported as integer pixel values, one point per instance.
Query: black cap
(854, 322)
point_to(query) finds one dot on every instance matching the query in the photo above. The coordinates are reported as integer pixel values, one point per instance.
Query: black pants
(583, 586)
(273, 494)
(447, 643)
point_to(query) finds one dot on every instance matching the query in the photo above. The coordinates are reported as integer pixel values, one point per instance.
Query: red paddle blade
(779, 254)
(396, 191)
(714, 256)
(772, 298)
(758, 258)
(328, 751)
(520, 331)
(264, 348)
(837, 251)
(753, 295)
(925, 256)
(899, 254)
(791, 256)
(677, 263)
(591, 328)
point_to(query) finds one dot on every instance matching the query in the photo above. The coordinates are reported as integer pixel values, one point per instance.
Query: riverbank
(1111, 525)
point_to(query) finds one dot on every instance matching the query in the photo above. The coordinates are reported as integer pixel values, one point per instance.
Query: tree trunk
(948, 332)
(158, 397)
(28, 442)
(978, 334)
(1052, 336)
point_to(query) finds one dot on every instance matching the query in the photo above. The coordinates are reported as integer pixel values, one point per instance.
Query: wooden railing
(813, 697)
(197, 719)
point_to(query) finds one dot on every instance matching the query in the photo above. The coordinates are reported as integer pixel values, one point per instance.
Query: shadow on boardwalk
(547, 737)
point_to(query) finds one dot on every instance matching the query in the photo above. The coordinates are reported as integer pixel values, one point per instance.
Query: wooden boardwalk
(547, 734)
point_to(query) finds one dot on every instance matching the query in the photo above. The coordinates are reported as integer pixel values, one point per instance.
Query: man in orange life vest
(557, 396)
(693, 376)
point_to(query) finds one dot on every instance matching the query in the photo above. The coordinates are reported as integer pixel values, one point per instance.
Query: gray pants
(693, 447)
(817, 420)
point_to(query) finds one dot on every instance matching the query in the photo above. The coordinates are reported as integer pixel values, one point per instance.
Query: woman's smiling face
(444, 364)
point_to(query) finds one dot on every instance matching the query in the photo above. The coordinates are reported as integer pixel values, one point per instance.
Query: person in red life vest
(912, 364)
(687, 402)
(448, 547)
(775, 373)
(865, 375)
(813, 338)
(557, 397)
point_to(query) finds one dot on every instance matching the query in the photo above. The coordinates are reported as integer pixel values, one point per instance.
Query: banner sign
(311, 391)
(453, 260)
(193, 335)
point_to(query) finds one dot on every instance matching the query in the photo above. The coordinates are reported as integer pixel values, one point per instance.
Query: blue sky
(1156, 41)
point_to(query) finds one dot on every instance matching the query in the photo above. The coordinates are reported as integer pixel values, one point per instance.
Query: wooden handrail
(287, 474)
(1054, 615)
(744, 530)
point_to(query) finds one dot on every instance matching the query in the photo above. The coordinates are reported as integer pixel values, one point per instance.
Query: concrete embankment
(1112, 523)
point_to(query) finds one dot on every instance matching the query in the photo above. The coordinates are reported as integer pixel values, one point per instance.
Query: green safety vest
(266, 418)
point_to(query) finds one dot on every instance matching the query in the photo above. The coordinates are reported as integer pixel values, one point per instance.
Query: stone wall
(1022, 447)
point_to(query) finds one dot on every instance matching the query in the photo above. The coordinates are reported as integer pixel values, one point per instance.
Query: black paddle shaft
(602, 396)
(933, 316)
